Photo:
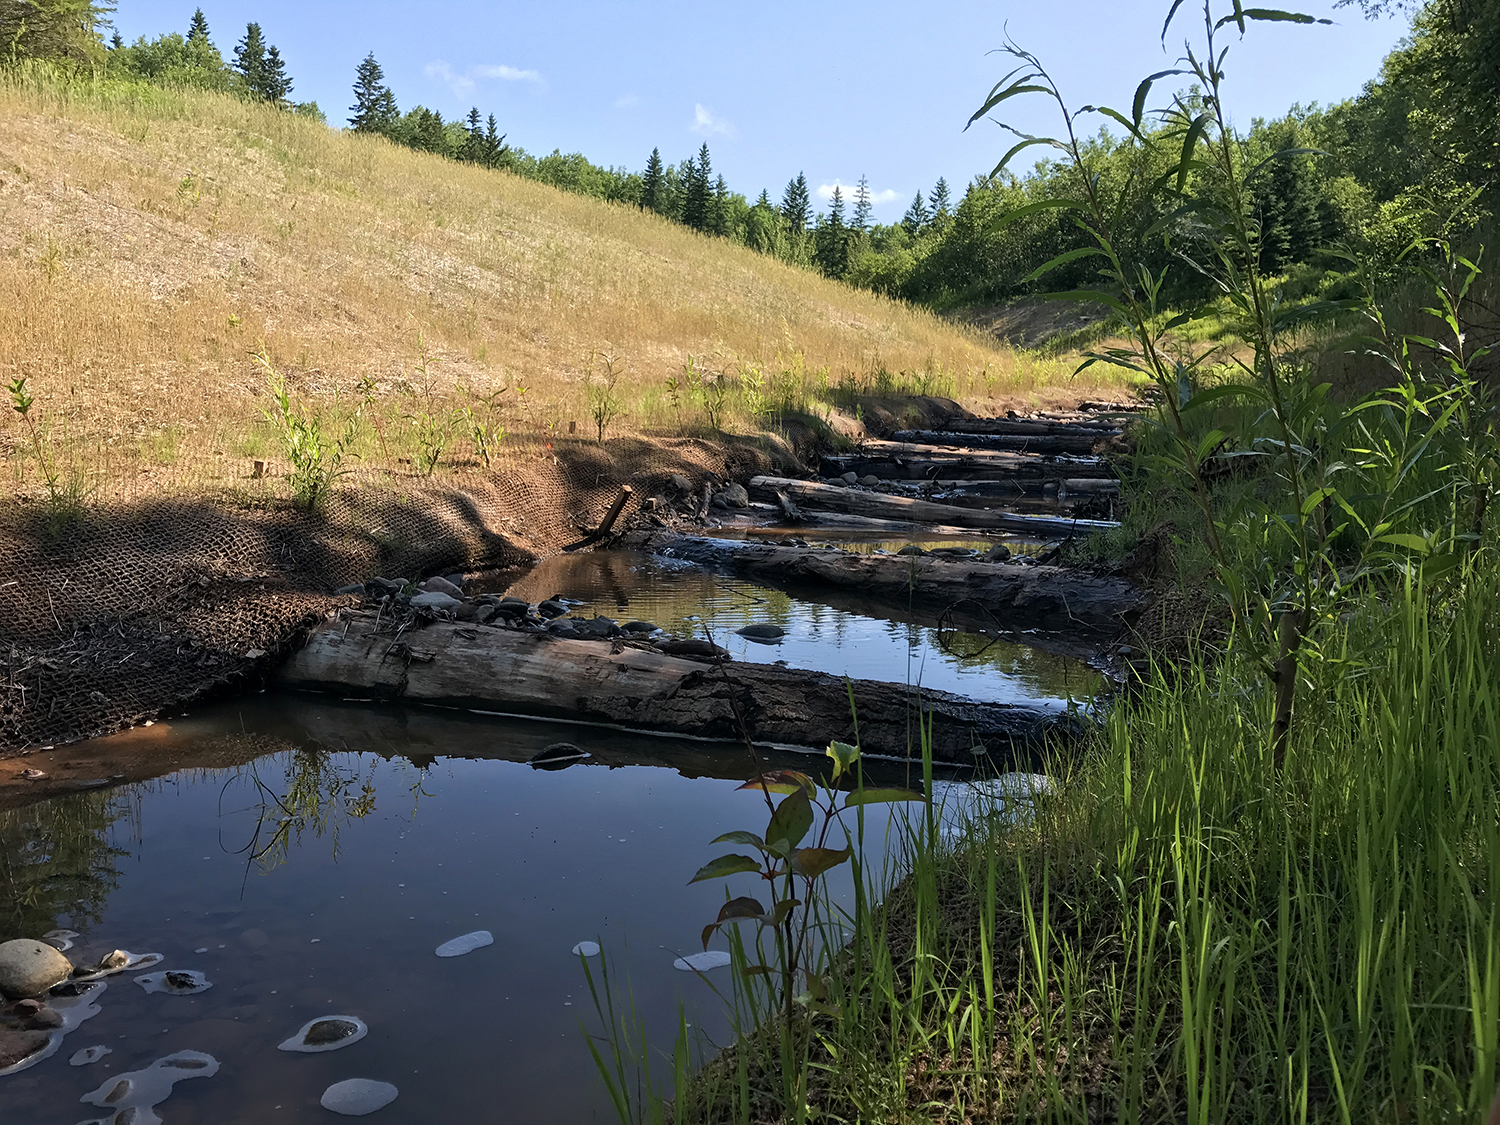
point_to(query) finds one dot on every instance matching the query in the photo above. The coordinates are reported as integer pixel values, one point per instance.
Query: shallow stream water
(315, 860)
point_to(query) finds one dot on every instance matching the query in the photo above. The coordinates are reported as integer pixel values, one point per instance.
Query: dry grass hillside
(151, 241)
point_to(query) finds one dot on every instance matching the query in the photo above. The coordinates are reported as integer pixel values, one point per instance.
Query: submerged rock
(133, 1096)
(175, 982)
(557, 756)
(84, 1056)
(762, 632)
(31, 1032)
(465, 944)
(355, 1097)
(30, 968)
(641, 627)
(326, 1033)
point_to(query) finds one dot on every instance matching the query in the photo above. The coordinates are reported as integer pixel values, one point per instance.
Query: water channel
(315, 854)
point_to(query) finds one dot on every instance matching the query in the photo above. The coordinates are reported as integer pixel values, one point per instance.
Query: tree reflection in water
(320, 793)
(57, 862)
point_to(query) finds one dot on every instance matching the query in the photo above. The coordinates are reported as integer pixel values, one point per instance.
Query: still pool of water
(830, 631)
(316, 864)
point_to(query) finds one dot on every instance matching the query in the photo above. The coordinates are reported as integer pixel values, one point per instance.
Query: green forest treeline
(1415, 153)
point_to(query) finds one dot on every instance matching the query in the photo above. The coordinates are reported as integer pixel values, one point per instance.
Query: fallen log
(1031, 427)
(882, 505)
(1019, 443)
(1014, 596)
(895, 461)
(486, 669)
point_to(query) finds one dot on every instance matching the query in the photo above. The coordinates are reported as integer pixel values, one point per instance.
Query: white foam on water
(86, 1055)
(132, 962)
(62, 940)
(175, 982)
(465, 944)
(74, 1010)
(355, 1097)
(586, 949)
(142, 1091)
(702, 962)
(298, 1042)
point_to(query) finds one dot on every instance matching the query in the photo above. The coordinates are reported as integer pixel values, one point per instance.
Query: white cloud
(463, 84)
(509, 73)
(825, 191)
(707, 125)
(626, 101)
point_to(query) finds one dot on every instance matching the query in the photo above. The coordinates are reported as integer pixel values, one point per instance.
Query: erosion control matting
(127, 612)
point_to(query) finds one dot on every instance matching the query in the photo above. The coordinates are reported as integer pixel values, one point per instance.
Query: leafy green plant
(66, 491)
(480, 415)
(21, 401)
(432, 422)
(710, 390)
(601, 389)
(317, 460)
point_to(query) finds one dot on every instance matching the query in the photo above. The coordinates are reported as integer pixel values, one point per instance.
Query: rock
(720, 504)
(1049, 556)
(468, 611)
(681, 483)
(562, 629)
(552, 608)
(45, 1019)
(735, 496)
(440, 586)
(18, 1046)
(32, 775)
(689, 646)
(953, 553)
(455, 580)
(850, 478)
(597, 628)
(326, 1033)
(133, 1096)
(352, 588)
(86, 1055)
(355, 1097)
(912, 549)
(762, 632)
(29, 968)
(998, 553)
(639, 627)
(436, 599)
(869, 480)
(175, 982)
(556, 755)
(467, 943)
(484, 614)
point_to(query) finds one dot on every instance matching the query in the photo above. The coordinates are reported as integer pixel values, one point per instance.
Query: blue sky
(834, 90)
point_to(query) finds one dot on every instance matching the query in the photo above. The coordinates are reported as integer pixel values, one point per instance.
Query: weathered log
(626, 492)
(891, 460)
(1014, 596)
(1030, 427)
(882, 505)
(505, 671)
(1019, 443)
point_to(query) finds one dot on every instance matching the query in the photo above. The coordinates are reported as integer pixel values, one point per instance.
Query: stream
(312, 857)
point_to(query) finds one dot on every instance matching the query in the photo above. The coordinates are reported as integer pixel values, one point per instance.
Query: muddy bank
(1013, 596)
(499, 670)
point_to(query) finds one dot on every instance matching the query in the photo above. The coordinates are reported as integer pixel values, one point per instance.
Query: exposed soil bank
(483, 668)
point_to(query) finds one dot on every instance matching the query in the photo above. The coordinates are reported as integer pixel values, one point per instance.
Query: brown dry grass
(150, 240)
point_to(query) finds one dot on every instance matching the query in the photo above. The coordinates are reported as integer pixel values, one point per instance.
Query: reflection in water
(318, 795)
(57, 864)
(839, 632)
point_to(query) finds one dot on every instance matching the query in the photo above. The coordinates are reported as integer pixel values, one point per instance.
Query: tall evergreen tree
(651, 183)
(374, 105)
(250, 59)
(940, 202)
(831, 250)
(695, 203)
(860, 221)
(796, 207)
(198, 28)
(496, 151)
(916, 216)
(275, 85)
(116, 42)
(718, 221)
(54, 29)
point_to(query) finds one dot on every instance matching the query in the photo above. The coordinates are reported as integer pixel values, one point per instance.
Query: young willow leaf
(812, 862)
(790, 822)
(780, 781)
(880, 797)
(725, 865)
(741, 909)
(737, 837)
(844, 756)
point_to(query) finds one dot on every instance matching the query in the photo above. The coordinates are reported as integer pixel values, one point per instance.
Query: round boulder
(29, 968)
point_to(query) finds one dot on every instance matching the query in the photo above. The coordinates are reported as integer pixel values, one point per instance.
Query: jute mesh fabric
(133, 609)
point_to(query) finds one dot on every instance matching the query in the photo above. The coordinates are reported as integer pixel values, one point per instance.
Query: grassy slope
(150, 240)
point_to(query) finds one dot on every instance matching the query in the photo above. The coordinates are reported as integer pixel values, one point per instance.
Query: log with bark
(1014, 596)
(1020, 443)
(882, 505)
(891, 460)
(1032, 427)
(506, 671)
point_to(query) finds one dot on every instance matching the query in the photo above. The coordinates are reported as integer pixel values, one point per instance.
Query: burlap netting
(141, 607)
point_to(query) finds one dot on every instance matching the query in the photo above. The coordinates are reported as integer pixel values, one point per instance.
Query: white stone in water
(586, 949)
(120, 961)
(86, 1055)
(355, 1097)
(135, 1095)
(299, 1041)
(702, 962)
(175, 982)
(466, 944)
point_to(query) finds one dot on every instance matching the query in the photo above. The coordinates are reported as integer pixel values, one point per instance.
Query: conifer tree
(916, 216)
(275, 84)
(250, 59)
(939, 200)
(198, 28)
(374, 105)
(472, 151)
(651, 183)
(795, 205)
(495, 149)
(116, 42)
(862, 207)
(719, 216)
(831, 252)
(695, 203)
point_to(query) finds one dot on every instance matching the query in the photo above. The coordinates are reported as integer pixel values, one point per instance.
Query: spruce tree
(831, 252)
(473, 149)
(916, 216)
(116, 42)
(198, 28)
(719, 209)
(695, 203)
(250, 59)
(275, 84)
(374, 105)
(795, 205)
(939, 200)
(862, 207)
(495, 149)
(651, 183)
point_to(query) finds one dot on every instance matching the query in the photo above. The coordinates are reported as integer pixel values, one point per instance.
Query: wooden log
(1031, 427)
(956, 470)
(480, 668)
(1014, 596)
(882, 505)
(1034, 443)
(626, 492)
